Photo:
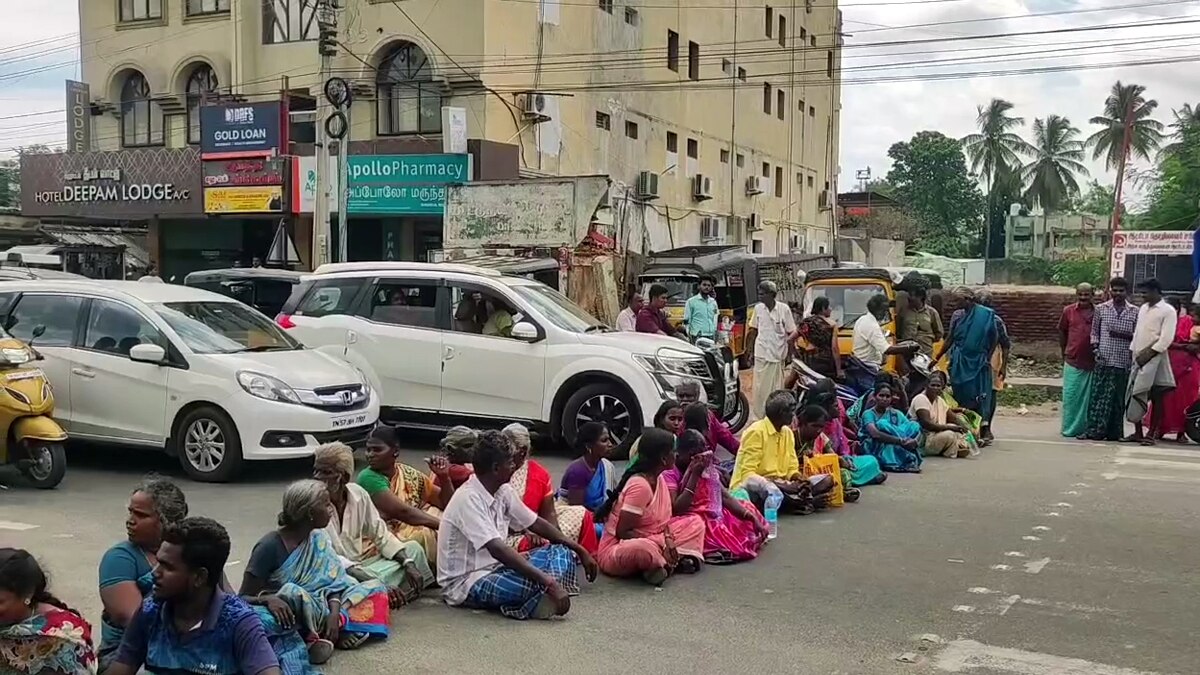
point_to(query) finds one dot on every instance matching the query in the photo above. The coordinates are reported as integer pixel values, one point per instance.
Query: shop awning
(106, 237)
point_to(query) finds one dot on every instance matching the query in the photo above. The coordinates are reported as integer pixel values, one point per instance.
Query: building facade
(716, 125)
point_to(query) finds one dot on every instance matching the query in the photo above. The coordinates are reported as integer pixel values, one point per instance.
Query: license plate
(348, 421)
(25, 375)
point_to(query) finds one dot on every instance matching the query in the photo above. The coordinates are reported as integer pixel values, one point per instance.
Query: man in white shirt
(627, 318)
(870, 344)
(769, 339)
(476, 568)
(1151, 377)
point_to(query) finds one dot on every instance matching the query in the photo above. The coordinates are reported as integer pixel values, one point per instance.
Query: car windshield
(557, 308)
(224, 328)
(679, 289)
(847, 303)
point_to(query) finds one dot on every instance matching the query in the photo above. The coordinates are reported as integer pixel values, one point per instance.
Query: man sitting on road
(476, 568)
(767, 463)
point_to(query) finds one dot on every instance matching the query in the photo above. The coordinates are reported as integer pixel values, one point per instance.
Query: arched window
(141, 118)
(201, 85)
(409, 101)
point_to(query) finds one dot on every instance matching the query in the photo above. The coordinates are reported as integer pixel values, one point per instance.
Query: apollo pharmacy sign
(105, 185)
(403, 184)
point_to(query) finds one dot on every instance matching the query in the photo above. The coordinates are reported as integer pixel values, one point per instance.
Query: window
(727, 66)
(289, 21)
(116, 328)
(606, 6)
(724, 156)
(693, 148)
(770, 20)
(812, 111)
(810, 181)
(673, 50)
(208, 327)
(741, 160)
(766, 172)
(58, 313)
(782, 31)
(631, 15)
(140, 10)
(672, 142)
(829, 63)
(803, 36)
(408, 100)
(201, 84)
(812, 39)
(779, 104)
(693, 61)
(202, 7)
(756, 246)
(767, 97)
(603, 121)
(631, 129)
(779, 181)
(403, 303)
(482, 313)
(141, 118)
(332, 296)
(799, 179)
(742, 74)
(801, 106)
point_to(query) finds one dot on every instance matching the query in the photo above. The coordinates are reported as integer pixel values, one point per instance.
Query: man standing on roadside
(651, 318)
(770, 336)
(1151, 379)
(700, 312)
(920, 323)
(1112, 331)
(627, 318)
(1075, 341)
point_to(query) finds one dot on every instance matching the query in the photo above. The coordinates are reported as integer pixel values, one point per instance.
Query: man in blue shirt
(700, 312)
(190, 625)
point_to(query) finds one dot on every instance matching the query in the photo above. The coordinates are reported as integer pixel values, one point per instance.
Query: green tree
(930, 179)
(1174, 192)
(1125, 107)
(10, 184)
(994, 152)
(1186, 118)
(1057, 158)
(1096, 199)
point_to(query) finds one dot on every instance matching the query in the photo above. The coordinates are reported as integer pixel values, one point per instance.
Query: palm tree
(1126, 121)
(994, 150)
(1186, 118)
(1057, 160)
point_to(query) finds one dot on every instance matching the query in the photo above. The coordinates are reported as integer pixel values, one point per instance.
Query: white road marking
(981, 590)
(1159, 452)
(15, 526)
(1067, 606)
(1054, 514)
(1001, 568)
(1064, 505)
(1079, 485)
(1030, 537)
(1014, 554)
(1157, 463)
(1070, 444)
(1040, 528)
(1151, 477)
(1071, 492)
(1035, 566)
(965, 609)
(966, 655)
(1006, 604)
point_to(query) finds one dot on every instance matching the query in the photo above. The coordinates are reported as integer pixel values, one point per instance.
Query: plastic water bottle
(774, 500)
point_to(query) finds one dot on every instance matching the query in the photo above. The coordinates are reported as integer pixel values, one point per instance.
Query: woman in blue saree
(971, 340)
(889, 435)
(589, 479)
(300, 588)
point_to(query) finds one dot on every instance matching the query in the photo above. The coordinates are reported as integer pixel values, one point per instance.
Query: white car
(204, 377)
(425, 335)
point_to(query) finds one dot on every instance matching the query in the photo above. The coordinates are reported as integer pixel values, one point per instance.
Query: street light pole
(327, 25)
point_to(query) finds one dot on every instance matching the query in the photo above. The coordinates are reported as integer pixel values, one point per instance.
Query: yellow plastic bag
(827, 464)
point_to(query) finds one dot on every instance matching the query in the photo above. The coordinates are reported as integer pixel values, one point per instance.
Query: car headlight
(266, 387)
(366, 382)
(670, 368)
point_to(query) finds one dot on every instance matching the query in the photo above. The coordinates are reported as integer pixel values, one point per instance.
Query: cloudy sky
(880, 105)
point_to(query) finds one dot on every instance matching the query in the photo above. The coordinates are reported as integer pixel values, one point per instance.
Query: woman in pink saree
(733, 530)
(641, 538)
(1185, 366)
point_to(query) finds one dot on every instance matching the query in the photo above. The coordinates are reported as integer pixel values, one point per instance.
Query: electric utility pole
(327, 48)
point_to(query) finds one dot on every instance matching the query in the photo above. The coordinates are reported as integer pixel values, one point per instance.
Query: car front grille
(340, 398)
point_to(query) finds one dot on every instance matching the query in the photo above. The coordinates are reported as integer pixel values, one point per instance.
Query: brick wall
(1030, 312)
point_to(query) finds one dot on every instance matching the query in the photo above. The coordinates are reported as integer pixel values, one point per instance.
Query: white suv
(209, 379)
(426, 335)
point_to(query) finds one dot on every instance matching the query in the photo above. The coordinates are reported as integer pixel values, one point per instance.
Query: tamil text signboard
(1148, 242)
(241, 130)
(262, 199)
(129, 184)
(403, 184)
(250, 171)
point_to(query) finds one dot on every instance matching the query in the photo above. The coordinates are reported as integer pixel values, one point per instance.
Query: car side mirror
(525, 331)
(147, 353)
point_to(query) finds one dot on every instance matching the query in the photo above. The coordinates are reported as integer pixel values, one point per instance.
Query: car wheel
(606, 403)
(208, 445)
(741, 415)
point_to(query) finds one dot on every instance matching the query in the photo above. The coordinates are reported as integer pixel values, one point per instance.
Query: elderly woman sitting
(368, 548)
(535, 487)
(298, 584)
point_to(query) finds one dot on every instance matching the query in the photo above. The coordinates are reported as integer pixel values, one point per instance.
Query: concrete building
(1056, 236)
(716, 125)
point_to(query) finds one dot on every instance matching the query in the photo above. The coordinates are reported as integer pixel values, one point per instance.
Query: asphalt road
(1041, 557)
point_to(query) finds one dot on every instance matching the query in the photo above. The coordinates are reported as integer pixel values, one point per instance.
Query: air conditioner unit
(533, 107)
(823, 201)
(755, 185)
(647, 185)
(754, 223)
(701, 187)
(710, 229)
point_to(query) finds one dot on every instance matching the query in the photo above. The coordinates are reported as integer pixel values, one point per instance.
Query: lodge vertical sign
(79, 117)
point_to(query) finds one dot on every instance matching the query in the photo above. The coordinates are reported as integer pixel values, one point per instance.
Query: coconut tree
(1187, 117)
(1058, 156)
(1127, 129)
(995, 149)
